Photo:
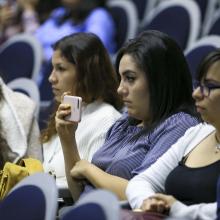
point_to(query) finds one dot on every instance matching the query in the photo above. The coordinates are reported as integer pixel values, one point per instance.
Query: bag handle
(32, 165)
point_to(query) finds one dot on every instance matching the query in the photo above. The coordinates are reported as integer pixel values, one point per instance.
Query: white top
(97, 118)
(153, 179)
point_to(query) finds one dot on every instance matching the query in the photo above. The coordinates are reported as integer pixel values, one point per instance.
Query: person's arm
(101, 23)
(179, 210)
(30, 20)
(66, 131)
(168, 204)
(199, 211)
(153, 179)
(100, 179)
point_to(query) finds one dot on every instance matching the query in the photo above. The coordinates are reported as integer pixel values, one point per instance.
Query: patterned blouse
(126, 152)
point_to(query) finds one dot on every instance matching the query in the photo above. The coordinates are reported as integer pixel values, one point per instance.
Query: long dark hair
(96, 78)
(167, 72)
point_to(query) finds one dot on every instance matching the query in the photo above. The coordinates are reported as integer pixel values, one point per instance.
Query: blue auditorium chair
(213, 28)
(33, 198)
(96, 205)
(199, 50)
(179, 19)
(125, 16)
(143, 8)
(28, 87)
(20, 56)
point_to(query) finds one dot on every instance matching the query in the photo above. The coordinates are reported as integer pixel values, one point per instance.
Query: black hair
(206, 63)
(167, 72)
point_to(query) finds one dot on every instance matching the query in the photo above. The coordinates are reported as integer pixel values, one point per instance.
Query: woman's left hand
(80, 169)
(158, 203)
(168, 199)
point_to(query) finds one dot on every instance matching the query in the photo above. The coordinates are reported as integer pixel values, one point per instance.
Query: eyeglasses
(205, 88)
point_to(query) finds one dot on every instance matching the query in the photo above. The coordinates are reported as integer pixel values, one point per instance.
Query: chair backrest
(125, 16)
(35, 197)
(179, 19)
(143, 8)
(20, 56)
(28, 87)
(87, 211)
(199, 50)
(98, 205)
(213, 28)
(207, 9)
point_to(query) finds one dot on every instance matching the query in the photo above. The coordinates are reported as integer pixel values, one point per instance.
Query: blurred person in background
(23, 16)
(77, 16)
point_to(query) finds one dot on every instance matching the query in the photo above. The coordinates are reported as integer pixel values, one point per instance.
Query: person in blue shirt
(77, 16)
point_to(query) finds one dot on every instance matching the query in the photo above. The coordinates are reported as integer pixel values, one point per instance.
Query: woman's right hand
(64, 128)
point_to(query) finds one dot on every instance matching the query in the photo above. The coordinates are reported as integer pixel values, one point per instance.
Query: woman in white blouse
(82, 67)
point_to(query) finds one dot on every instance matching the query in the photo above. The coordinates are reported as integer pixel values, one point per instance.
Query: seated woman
(19, 136)
(82, 67)
(156, 89)
(183, 181)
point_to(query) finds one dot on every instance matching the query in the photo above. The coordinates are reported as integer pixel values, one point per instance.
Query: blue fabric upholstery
(203, 7)
(195, 56)
(141, 6)
(33, 198)
(24, 203)
(120, 17)
(215, 28)
(86, 211)
(17, 60)
(125, 16)
(177, 28)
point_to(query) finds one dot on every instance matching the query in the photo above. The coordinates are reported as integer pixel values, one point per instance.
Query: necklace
(217, 146)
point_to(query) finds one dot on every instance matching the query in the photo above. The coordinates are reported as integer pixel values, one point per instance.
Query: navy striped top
(124, 155)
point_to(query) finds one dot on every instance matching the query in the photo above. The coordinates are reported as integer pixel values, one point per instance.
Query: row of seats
(36, 198)
(21, 76)
(207, 10)
(185, 21)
